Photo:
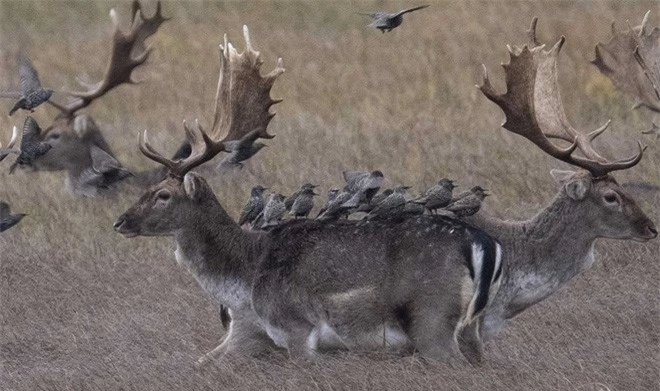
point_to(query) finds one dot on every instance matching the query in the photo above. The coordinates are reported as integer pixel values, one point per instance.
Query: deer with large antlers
(308, 285)
(543, 253)
(78, 146)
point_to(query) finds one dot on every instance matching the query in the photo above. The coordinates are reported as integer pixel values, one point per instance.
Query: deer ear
(576, 186)
(195, 186)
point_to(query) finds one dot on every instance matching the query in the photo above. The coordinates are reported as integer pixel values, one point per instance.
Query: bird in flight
(32, 94)
(385, 21)
(31, 147)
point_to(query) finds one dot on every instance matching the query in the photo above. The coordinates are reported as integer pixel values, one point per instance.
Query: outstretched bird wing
(29, 77)
(409, 10)
(31, 132)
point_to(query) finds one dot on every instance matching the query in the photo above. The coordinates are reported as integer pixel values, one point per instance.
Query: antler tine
(4, 152)
(151, 153)
(128, 52)
(533, 108)
(531, 33)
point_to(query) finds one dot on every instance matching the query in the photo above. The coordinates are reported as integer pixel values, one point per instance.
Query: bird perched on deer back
(32, 94)
(31, 147)
(303, 203)
(437, 196)
(8, 220)
(377, 199)
(273, 211)
(385, 21)
(391, 207)
(335, 209)
(254, 206)
(288, 203)
(469, 204)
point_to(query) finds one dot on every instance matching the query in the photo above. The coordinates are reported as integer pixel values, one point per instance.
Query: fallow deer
(309, 285)
(78, 146)
(543, 253)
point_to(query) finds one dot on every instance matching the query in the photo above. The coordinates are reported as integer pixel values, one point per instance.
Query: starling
(273, 211)
(288, 203)
(332, 195)
(335, 208)
(366, 182)
(413, 209)
(654, 130)
(31, 147)
(32, 94)
(391, 207)
(303, 203)
(377, 199)
(466, 193)
(4, 152)
(105, 170)
(241, 150)
(8, 220)
(386, 22)
(253, 207)
(437, 196)
(470, 204)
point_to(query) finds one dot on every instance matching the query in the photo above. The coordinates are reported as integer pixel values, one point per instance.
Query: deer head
(534, 110)
(241, 113)
(73, 135)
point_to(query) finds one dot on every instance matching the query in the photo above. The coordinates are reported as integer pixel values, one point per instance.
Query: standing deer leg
(470, 344)
(432, 332)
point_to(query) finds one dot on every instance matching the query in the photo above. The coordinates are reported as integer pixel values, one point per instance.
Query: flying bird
(241, 150)
(8, 220)
(105, 170)
(385, 21)
(31, 147)
(32, 94)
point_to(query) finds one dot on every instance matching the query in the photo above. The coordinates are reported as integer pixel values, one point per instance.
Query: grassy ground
(83, 308)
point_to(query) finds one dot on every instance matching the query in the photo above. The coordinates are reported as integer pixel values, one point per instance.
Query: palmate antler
(534, 110)
(242, 107)
(630, 59)
(128, 52)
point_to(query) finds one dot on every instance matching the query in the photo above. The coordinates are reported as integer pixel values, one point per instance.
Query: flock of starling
(31, 96)
(360, 196)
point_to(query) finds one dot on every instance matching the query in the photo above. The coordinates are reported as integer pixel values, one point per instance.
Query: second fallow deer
(543, 253)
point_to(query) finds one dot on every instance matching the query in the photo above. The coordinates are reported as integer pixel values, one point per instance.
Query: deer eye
(611, 198)
(164, 196)
(53, 136)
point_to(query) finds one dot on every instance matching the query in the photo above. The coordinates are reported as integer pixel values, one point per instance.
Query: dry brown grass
(83, 308)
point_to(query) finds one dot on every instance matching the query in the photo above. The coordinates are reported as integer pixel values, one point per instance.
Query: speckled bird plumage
(32, 94)
(31, 147)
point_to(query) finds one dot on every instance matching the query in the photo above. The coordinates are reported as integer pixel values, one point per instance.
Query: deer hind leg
(432, 331)
(470, 343)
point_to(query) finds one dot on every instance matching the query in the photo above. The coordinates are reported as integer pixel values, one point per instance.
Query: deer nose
(119, 222)
(653, 230)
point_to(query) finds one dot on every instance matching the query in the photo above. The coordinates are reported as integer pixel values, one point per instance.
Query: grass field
(82, 308)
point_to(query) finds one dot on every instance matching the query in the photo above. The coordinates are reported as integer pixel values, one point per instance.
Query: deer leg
(470, 344)
(432, 332)
(244, 338)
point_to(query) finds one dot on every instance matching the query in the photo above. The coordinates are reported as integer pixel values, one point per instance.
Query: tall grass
(82, 308)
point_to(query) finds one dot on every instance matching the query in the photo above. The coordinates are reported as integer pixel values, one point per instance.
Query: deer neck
(540, 254)
(220, 255)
